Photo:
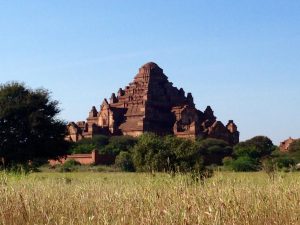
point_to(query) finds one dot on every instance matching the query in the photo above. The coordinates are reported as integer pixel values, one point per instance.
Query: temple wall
(85, 159)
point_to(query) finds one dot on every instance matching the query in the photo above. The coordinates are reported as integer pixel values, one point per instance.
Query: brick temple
(285, 145)
(152, 104)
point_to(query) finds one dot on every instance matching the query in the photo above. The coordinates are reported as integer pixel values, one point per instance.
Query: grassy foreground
(123, 198)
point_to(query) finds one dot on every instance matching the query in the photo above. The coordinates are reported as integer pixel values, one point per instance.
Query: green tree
(256, 147)
(248, 155)
(168, 153)
(29, 127)
(183, 154)
(150, 153)
(214, 150)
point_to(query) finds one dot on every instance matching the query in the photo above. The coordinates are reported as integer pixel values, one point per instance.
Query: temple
(152, 104)
(285, 145)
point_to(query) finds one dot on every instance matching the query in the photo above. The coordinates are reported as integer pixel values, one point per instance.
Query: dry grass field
(133, 198)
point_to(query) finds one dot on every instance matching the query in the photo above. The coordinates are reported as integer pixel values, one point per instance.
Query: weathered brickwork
(152, 104)
(285, 145)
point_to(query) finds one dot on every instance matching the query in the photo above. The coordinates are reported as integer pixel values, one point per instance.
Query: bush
(69, 166)
(17, 168)
(244, 163)
(284, 162)
(124, 162)
(117, 144)
(227, 161)
(82, 148)
(269, 166)
(87, 145)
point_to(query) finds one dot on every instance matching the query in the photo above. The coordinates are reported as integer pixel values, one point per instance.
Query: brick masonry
(152, 104)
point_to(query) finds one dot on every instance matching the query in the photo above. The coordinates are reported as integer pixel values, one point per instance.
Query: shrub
(82, 148)
(69, 166)
(269, 166)
(284, 162)
(87, 145)
(124, 162)
(227, 161)
(245, 163)
(117, 144)
(17, 168)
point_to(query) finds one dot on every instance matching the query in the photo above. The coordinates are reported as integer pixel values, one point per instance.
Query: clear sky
(241, 57)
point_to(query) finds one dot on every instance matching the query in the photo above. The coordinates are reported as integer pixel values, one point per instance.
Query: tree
(256, 147)
(183, 154)
(29, 128)
(169, 153)
(150, 153)
(249, 154)
(214, 150)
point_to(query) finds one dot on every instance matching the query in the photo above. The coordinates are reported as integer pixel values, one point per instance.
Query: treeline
(150, 152)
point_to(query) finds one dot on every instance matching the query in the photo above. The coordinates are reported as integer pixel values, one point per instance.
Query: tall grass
(120, 198)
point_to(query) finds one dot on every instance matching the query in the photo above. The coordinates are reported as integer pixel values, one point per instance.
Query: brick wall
(85, 159)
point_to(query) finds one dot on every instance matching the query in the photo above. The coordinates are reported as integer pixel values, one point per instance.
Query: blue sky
(241, 57)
